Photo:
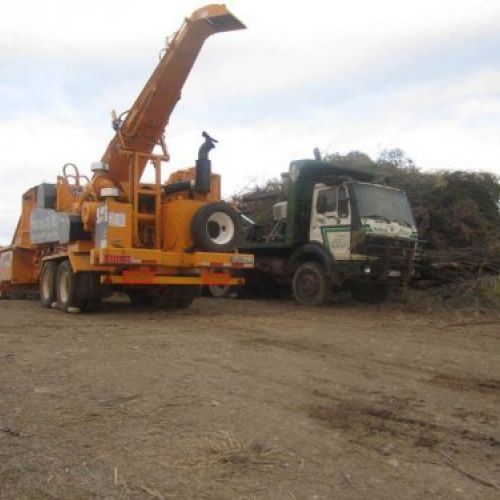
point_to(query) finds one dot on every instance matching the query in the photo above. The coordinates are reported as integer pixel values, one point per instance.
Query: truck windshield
(384, 203)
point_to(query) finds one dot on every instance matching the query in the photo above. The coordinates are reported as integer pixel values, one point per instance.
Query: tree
(396, 158)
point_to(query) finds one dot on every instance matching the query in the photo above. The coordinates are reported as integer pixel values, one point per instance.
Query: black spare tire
(216, 227)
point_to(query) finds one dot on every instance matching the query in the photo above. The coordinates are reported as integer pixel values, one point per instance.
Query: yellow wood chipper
(80, 239)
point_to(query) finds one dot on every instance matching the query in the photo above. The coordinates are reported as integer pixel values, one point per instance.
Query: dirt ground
(248, 399)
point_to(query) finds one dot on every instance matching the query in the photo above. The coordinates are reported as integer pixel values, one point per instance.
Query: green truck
(336, 230)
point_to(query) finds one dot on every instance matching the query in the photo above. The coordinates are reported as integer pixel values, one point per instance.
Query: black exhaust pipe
(204, 165)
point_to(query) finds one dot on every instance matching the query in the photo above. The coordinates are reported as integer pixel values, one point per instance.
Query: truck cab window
(343, 203)
(327, 201)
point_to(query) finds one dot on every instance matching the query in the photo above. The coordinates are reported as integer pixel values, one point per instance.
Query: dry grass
(222, 450)
(470, 296)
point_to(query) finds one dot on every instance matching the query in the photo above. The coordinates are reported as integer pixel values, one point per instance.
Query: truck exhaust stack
(204, 165)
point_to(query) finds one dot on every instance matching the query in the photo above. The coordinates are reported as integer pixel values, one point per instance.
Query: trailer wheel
(67, 288)
(370, 293)
(47, 283)
(216, 227)
(311, 286)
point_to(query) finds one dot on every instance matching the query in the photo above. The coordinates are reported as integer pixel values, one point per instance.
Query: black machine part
(177, 187)
(204, 165)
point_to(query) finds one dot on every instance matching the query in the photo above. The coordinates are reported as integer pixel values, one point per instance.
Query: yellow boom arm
(144, 125)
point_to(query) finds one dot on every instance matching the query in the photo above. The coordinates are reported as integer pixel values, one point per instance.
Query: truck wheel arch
(314, 252)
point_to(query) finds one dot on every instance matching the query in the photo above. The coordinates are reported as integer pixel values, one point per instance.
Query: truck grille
(388, 248)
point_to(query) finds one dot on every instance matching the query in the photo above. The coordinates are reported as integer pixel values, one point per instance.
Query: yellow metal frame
(147, 256)
(142, 278)
(135, 191)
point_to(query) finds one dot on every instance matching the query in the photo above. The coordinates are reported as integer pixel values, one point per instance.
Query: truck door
(331, 220)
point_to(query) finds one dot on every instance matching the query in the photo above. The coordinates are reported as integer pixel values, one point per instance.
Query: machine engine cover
(49, 226)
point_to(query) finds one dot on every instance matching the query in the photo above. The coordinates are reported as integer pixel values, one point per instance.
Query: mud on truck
(336, 231)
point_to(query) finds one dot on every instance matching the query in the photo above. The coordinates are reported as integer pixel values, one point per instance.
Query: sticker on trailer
(119, 259)
(242, 260)
(117, 219)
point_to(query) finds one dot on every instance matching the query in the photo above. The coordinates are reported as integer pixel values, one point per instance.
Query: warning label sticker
(117, 219)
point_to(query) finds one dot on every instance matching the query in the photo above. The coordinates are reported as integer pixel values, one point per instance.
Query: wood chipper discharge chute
(141, 128)
(80, 239)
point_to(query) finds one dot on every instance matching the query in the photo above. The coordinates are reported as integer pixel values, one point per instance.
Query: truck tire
(219, 291)
(47, 283)
(67, 288)
(216, 227)
(370, 293)
(311, 286)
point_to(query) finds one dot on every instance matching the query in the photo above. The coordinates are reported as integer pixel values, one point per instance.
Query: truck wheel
(370, 293)
(47, 283)
(311, 286)
(219, 291)
(216, 227)
(67, 288)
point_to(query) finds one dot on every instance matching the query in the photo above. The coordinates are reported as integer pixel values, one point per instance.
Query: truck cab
(371, 211)
(337, 230)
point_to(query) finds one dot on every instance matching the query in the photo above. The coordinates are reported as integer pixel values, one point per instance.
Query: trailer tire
(310, 284)
(47, 283)
(67, 288)
(216, 227)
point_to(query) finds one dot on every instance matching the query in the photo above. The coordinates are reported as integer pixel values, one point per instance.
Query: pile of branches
(458, 264)
(456, 212)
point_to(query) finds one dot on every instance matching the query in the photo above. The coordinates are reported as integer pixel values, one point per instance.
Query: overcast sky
(341, 75)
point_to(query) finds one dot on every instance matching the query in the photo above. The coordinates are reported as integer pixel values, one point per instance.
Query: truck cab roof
(317, 169)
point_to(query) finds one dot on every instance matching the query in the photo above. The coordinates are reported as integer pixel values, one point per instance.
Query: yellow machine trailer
(80, 239)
